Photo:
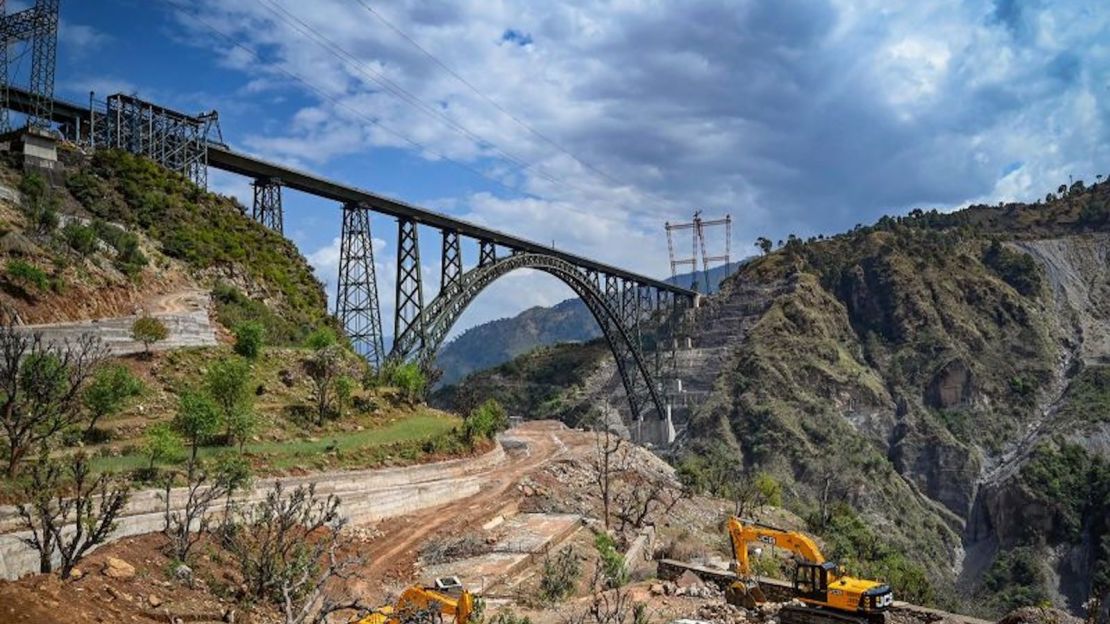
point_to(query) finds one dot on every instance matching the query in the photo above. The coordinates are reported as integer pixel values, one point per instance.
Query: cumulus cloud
(795, 117)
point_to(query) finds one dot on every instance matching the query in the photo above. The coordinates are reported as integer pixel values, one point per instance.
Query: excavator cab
(811, 580)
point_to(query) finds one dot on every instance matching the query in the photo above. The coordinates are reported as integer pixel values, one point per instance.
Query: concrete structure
(524, 539)
(189, 329)
(367, 496)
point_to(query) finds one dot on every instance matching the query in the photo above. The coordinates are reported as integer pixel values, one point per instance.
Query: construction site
(221, 397)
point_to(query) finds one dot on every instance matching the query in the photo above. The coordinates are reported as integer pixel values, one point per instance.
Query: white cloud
(796, 117)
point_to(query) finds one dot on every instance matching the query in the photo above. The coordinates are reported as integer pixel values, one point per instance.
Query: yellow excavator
(446, 600)
(829, 596)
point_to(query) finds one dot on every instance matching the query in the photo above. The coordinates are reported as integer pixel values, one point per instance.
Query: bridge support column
(267, 208)
(356, 301)
(410, 290)
(487, 253)
(451, 268)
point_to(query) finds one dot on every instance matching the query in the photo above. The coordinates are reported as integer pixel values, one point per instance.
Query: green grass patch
(276, 456)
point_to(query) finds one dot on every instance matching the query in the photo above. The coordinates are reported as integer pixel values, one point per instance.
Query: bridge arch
(430, 329)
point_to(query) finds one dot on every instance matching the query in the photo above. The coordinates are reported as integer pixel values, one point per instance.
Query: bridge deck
(226, 159)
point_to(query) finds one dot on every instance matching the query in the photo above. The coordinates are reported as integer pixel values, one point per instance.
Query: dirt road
(392, 556)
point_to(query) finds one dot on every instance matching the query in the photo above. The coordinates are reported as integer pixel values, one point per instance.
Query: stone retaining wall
(367, 496)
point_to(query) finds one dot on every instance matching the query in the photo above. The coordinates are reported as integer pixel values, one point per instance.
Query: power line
(520, 122)
(339, 103)
(373, 121)
(345, 57)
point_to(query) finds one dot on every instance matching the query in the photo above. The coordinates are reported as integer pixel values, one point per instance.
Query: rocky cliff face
(929, 371)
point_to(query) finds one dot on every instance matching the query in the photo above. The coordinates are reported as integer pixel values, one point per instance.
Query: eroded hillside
(943, 374)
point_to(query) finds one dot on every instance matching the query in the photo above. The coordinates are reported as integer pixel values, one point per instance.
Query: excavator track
(793, 614)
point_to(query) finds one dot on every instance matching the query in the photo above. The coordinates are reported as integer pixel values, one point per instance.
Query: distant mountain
(490, 344)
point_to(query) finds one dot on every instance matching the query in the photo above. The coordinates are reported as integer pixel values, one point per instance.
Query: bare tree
(203, 487)
(288, 548)
(323, 367)
(613, 606)
(69, 525)
(40, 387)
(644, 498)
(609, 461)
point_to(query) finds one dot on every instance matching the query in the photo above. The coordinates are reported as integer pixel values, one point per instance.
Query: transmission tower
(698, 247)
(37, 26)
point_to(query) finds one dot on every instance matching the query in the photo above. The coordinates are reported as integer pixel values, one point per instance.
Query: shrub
(249, 337)
(409, 379)
(485, 421)
(109, 391)
(1015, 268)
(321, 338)
(80, 238)
(129, 259)
(560, 575)
(611, 561)
(149, 330)
(161, 443)
(25, 275)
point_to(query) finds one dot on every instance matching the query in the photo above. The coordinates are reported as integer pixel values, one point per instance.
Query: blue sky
(795, 116)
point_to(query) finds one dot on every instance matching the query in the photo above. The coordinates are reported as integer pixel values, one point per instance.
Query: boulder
(118, 569)
(687, 580)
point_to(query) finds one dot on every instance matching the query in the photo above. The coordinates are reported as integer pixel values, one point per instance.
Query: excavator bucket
(744, 595)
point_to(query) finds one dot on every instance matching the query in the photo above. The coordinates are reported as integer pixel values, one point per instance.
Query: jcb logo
(767, 539)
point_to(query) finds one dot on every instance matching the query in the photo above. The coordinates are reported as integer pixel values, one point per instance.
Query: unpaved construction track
(392, 556)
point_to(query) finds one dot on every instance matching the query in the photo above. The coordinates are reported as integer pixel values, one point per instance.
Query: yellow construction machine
(829, 596)
(445, 601)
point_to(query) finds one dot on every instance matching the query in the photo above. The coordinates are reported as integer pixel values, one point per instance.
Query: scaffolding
(176, 141)
(698, 247)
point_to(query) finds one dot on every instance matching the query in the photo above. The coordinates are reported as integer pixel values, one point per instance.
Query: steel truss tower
(176, 141)
(267, 204)
(698, 226)
(356, 302)
(39, 26)
(410, 289)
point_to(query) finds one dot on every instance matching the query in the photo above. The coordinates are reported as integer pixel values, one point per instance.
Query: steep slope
(914, 370)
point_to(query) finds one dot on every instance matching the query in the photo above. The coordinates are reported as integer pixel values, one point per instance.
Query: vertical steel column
(487, 253)
(267, 208)
(451, 268)
(356, 302)
(410, 290)
(5, 121)
(44, 51)
(613, 294)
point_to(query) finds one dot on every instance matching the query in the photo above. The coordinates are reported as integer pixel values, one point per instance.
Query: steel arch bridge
(624, 311)
(634, 311)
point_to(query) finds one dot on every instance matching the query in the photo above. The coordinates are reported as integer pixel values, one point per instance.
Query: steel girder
(441, 314)
(356, 303)
(267, 205)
